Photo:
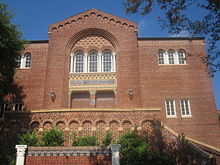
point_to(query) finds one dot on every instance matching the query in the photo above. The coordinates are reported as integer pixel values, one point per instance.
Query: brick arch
(61, 124)
(47, 125)
(78, 48)
(114, 125)
(87, 127)
(35, 126)
(92, 31)
(73, 126)
(105, 48)
(101, 125)
(93, 48)
(127, 125)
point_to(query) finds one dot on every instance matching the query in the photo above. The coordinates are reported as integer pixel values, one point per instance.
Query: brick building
(94, 74)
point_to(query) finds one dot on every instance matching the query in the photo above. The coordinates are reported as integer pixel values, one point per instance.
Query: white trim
(175, 57)
(85, 63)
(71, 63)
(184, 104)
(174, 108)
(100, 62)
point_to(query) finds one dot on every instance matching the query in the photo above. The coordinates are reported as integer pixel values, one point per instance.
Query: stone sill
(78, 148)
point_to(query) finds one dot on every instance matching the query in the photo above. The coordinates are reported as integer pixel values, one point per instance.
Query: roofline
(89, 10)
(38, 41)
(170, 38)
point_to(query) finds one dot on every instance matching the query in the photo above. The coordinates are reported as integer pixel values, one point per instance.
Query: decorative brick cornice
(93, 14)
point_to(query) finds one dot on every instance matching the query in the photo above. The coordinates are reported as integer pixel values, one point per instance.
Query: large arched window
(171, 57)
(161, 54)
(27, 60)
(107, 61)
(79, 61)
(93, 61)
(181, 57)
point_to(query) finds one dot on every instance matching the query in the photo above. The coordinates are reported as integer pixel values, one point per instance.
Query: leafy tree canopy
(11, 44)
(177, 18)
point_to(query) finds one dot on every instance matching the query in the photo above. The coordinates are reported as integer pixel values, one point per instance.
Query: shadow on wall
(13, 122)
(178, 148)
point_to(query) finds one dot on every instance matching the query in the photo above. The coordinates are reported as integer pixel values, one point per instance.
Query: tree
(177, 18)
(11, 45)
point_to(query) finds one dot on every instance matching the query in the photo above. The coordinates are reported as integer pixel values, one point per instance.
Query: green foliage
(11, 45)
(133, 149)
(52, 137)
(30, 139)
(176, 18)
(108, 138)
(84, 140)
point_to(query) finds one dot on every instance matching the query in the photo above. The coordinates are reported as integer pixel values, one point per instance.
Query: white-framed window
(170, 108)
(185, 107)
(28, 60)
(24, 61)
(161, 55)
(79, 62)
(181, 57)
(93, 61)
(107, 61)
(17, 107)
(171, 57)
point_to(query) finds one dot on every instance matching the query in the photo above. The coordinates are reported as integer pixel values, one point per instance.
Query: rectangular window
(17, 107)
(185, 107)
(170, 108)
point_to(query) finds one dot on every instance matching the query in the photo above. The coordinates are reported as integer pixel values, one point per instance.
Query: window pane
(79, 62)
(185, 109)
(182, 107)
(181, 56)
(161, 57)
(27, 61)
(107, 61)
(93, 62)
(171, 57)
(170, 107)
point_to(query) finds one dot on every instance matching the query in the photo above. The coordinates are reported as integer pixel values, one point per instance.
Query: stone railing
(87, 155)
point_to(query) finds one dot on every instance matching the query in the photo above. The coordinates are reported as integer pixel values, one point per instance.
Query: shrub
(53, 137)
(133, 149)
(108, 139)
(29, 139)
(84, 141)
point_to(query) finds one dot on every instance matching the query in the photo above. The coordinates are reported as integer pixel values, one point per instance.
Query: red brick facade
(136, 69)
